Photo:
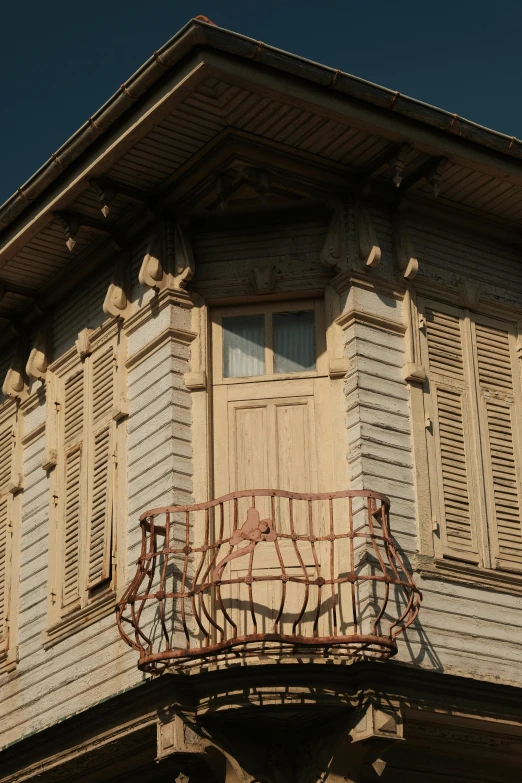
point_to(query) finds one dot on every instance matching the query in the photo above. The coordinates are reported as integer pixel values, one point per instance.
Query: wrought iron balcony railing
(267, 573)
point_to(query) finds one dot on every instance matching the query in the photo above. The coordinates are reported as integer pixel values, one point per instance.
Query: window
(10, 482)
(274, 342)
(85, 400)
(473, 425)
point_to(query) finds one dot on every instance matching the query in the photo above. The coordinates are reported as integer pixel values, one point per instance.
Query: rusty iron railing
(267, 573)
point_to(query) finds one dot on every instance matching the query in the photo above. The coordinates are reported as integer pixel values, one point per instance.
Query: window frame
(434, 557)
(96, 602)
(11, 418)
(267, 309)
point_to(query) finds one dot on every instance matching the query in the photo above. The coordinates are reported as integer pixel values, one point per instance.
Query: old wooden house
(261, 435)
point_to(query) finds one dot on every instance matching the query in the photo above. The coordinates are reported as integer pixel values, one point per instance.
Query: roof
(211, 100)
(198, 32)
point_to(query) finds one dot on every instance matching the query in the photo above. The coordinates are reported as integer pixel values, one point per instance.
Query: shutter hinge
(55, 498)
(422, 321)
(53, 597)
(427, 421)
(435, 525)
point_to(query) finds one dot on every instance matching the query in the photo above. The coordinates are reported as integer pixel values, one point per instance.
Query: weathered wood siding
(462, 629)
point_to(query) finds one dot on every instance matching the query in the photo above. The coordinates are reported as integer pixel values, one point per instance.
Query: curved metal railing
(268, 573)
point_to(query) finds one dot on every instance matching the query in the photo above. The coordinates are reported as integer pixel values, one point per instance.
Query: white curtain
(294, 341)
(243, 346)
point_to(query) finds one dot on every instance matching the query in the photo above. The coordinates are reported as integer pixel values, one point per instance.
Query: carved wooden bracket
(152, 272)
(333, 254)
(406, 256)
(116, 302)
(470, 293)
(380, 727)
(15, 383)
(184, 266)
(107, 189)
(368, 248)
(169, 258)
(38, 361)
(263, 278)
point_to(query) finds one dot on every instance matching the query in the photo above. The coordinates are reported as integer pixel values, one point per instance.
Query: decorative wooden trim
(98, 608)
(368, 247)
(263, 278)
(451, 294)
(117, 300)
(161, 339)
(83, 343)
(153, 267)
(15, 385)
(404, 251)
(38, 361)
(470, 293)
(338, 363)
(184, 266)
(413, 370)
(333, 254)
(369, 319)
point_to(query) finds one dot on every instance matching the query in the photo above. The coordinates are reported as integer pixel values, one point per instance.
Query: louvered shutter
(4, 562)
(6, 469)
(500, 408)
(101, 467)
(73, 425)
(451, 473)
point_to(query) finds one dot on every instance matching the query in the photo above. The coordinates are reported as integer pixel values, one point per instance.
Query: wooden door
(273, 424)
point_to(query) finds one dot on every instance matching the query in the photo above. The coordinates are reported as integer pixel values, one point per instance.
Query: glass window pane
(294, 341)
(243, 346)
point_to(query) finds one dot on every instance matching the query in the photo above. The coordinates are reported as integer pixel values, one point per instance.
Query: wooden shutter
(73, 425)
(451, 433)
(499, 401)
(4, 563)
(101, 467)
(6, 469)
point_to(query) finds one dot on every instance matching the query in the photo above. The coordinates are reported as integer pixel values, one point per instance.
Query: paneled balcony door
(273, 418)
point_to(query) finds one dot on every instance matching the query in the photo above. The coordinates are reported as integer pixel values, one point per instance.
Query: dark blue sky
(61, 59)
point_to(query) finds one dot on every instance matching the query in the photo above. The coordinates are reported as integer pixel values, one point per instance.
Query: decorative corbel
(368, 248)
(183, 257)
(406, 256)
(38, 361)
(333, 254)
(15, 384)
(71, 225)
(153, 268)
(106, 194)
(116, 302)
(263, 278)
(470, 293)
(83, 343)
(397, 163)
(379, 727)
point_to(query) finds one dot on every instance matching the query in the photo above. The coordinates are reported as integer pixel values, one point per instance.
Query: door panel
(277, 433)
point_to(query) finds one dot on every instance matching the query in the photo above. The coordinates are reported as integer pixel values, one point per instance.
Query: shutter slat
(101, 507)
(70, 592)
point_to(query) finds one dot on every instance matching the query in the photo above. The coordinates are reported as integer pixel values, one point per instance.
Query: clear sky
(60, 60)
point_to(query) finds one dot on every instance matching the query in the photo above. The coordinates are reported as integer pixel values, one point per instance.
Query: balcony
(268, 574)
